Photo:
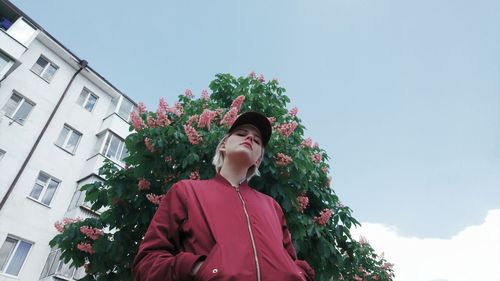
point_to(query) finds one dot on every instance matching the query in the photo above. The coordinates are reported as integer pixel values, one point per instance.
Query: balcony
(115, 123)
(10, 46)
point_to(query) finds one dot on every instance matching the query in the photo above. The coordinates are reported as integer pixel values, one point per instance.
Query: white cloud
(473, 254)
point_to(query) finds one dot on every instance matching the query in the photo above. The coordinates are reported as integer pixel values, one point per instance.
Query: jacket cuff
(185, 262)
(310, 274)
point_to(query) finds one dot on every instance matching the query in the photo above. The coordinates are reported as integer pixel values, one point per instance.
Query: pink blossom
(324, 217)
(168, 179)
(192, 134)
(287, 129)
(192, 119)
(149, 145)
(137, 121)
(162, 106)
(188, 94)
(271, 120)
(59, 226)
(324, 169)
(363, 241)
(237, 102)
(141, 108)
(195, 175)
(161, 119)
(357, 278)
(283, 159)
(317, 157)
(67, 221)
(206, 118)
(155, 199)
(219, 111)
(91, 232)
(151, 122)
(252, 75)
(177, 109)
(303, 202)
(261, 78)
(306, 143)
(85, 247)
(205, 95)
(230, 117)
(293, 112)
(387, 265)
(144, 184)
(375, 277)
(316, 145)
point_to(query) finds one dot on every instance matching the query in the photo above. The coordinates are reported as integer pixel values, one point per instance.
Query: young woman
(222, 229)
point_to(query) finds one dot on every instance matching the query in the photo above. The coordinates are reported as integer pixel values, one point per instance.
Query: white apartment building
(59, 120)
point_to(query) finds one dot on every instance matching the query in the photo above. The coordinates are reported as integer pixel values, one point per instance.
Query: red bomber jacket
(239, 233)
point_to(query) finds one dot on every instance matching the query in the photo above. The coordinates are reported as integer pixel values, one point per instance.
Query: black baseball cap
(256, 119)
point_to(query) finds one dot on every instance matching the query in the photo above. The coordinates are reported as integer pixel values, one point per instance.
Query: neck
(233, 173)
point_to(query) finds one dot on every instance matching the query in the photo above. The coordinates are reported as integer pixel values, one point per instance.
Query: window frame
(8, 62)
(105, 146)
(119, 106)
(72, 131)
(86, 99)
(44, 69)
(16, 110)
(12, 254)
(44, 189)
(57, 264)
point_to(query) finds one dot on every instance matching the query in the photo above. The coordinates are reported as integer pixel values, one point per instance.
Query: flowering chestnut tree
(178, 142)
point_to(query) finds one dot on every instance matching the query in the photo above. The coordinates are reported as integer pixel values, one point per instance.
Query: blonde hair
(218, 159)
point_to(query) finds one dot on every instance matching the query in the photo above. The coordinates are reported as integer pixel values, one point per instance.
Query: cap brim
(256, 119)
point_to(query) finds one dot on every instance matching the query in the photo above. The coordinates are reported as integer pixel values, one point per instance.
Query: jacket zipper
(251, 233)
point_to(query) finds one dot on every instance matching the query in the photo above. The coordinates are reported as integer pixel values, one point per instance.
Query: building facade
(59, 120)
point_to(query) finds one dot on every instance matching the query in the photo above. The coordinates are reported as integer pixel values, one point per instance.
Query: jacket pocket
(209, 269)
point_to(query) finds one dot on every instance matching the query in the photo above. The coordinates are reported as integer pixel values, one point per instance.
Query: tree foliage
(178, 142)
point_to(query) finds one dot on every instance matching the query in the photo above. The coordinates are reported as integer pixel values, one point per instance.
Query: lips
(247, 144)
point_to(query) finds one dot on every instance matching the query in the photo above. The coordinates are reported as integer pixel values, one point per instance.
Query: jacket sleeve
(159, 257)
(287, 243)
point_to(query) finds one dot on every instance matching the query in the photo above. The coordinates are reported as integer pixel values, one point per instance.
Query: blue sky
(404, 95)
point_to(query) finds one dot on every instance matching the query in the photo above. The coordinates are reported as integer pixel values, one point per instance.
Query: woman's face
(245, 142)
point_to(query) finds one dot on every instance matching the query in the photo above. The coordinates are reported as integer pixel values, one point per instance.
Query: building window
(125, 108)
(4, 61)
(87, 99)
(44, 189)
(18, 108)
(54, 266)
(114, 146)
(2, 153)
(44, 68)
(68, 139)
(13, 254)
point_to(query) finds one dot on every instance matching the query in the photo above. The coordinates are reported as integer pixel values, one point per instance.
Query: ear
(257, 163)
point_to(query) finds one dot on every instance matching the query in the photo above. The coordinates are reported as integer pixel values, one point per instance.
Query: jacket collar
(220, 179)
